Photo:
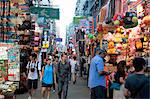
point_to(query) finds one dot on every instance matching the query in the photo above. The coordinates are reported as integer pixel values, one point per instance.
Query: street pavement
(77, 91)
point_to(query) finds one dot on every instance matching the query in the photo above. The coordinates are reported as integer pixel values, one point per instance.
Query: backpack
(143, 91)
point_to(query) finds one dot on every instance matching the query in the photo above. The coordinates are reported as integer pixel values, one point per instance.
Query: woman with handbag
(118, 84)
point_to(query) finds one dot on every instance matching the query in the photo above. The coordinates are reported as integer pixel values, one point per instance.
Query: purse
(115, 86)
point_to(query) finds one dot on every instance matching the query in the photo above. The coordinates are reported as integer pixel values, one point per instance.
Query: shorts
(46, 85)
(32, 84)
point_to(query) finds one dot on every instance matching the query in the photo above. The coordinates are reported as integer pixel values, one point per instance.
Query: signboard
(14, 64)
(76, 20)
(52, 13)
(58, 39)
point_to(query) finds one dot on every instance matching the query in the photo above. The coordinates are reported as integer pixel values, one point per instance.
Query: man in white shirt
(33, 67)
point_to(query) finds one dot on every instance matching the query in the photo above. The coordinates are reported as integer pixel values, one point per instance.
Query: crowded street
(78, 91)
(74, 49)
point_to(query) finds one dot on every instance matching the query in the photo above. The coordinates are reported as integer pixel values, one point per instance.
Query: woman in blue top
(47, 78)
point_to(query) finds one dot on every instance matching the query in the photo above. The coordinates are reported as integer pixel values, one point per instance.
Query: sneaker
(54, 91)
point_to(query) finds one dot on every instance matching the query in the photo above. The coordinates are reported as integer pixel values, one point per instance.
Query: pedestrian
(97, 80)
(82, 62)
(137, 85)
(89, 61)
(33, 69)
(119, 79)
(48, 73)
(55, 64)
(74, 66)
(64, 76)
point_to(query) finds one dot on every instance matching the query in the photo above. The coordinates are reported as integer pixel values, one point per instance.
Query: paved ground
(78, 91)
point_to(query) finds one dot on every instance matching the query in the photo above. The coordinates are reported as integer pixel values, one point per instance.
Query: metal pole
(3, 17)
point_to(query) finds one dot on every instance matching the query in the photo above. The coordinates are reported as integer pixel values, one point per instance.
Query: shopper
(119, 79)
(74, 66)
(48, 73)
(33, 68)
(89, 61)
(97, 81)
(55, 64)
(137, 85)
(64, 75)
(82, 62)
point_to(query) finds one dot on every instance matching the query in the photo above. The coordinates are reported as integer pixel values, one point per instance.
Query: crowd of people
(55, 71)
(58, 71)
(124, 84)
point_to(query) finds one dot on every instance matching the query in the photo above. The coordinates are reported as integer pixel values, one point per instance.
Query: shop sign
(3, 53)
(58, 39)
(76, 20)
(52, 13)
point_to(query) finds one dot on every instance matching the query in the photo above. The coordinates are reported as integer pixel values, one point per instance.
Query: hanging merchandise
(45, 44)
(130, 20)
(36, 49)
(36, 38)
(146, 20)
(118, 19)
(111, 48)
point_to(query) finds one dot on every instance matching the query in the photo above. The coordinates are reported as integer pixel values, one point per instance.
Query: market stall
(9, 69)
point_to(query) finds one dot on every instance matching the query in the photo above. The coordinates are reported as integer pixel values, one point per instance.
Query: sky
(67, 9)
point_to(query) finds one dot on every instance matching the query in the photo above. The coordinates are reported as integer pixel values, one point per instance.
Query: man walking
(97, 81)
(64, 76)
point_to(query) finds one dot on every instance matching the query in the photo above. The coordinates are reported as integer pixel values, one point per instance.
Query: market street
(78, 91)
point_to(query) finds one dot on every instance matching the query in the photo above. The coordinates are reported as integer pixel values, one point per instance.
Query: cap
(101, 50)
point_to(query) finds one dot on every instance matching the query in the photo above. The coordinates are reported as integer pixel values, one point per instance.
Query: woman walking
(47, 78)
(73, 63)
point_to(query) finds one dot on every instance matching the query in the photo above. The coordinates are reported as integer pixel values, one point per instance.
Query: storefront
(9, 69)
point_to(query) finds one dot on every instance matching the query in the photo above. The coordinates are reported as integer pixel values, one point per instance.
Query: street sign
(58, 39)
(76, 19)
(52, 13)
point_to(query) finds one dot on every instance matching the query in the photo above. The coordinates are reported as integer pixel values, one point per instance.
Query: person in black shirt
(137, 84)
(120, 79)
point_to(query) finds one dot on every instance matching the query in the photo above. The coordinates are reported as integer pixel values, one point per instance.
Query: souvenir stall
(126, 36)
(130, 38)
(10, 69)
